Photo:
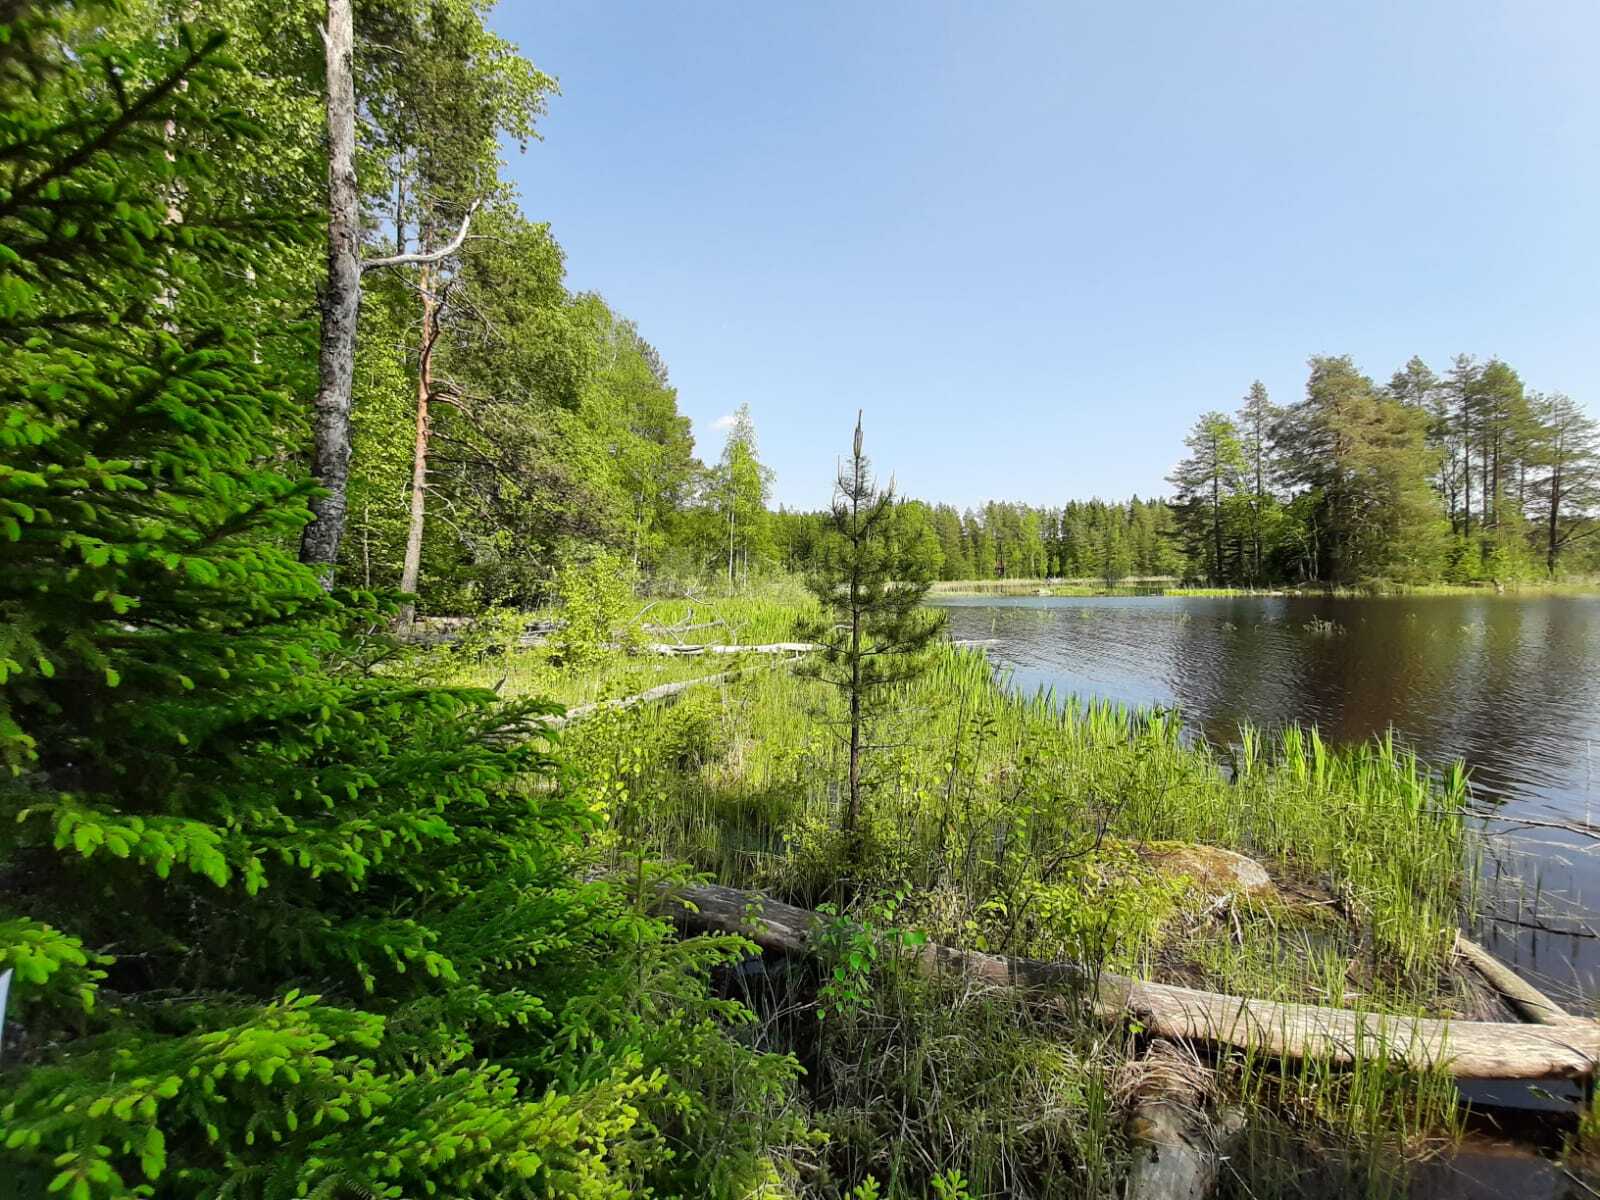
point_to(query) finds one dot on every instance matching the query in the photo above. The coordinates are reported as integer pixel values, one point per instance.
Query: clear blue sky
(1034, 241)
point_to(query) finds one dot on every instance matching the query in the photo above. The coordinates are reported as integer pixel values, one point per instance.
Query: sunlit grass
(1024, 824)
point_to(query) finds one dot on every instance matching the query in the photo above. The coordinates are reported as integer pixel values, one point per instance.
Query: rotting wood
(1463, 1049)
(1179, 1137)
(1178, 1150)
(1523, 996)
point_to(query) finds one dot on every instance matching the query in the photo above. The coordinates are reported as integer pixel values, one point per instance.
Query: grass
(979, 792)
(768, 616)
(533, 672)
(1030, 824)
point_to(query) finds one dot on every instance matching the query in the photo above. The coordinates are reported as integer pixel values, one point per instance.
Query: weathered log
(1177, 1150)
(1464, 1049)
(1528, 1000)
(1178, 1137)
(579, 711)
(762, 648)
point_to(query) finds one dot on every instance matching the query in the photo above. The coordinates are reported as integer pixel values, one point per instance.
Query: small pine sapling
(874, 633)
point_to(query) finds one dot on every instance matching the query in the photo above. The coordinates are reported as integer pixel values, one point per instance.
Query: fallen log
(763, 648)
(579, 711)
(1528, 1000)
(1464, 1049)
(1179, 1139)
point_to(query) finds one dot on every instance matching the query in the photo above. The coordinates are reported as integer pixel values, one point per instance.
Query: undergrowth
(1032, 826)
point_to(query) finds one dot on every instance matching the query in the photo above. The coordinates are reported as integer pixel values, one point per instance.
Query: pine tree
(1256, 421)
(1364, 465)
(1206, 481)
(874, 631)
(1565, 458)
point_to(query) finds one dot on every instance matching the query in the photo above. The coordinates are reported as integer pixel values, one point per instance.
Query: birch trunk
(340, 303)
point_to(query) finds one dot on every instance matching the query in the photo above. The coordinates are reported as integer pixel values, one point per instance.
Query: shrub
(595, 595)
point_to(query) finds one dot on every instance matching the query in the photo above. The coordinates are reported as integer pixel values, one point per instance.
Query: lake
(1509, 685)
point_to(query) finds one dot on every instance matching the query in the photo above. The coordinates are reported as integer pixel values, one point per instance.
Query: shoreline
(1055, 589)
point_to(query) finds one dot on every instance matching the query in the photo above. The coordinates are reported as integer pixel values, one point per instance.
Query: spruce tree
(278, 926)
(874, 632)
(1206, 481)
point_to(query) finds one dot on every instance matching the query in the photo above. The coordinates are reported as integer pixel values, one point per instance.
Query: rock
(1216, 871)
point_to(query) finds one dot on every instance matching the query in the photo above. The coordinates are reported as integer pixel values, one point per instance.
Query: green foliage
(739, 489)
(1210, 482)
(594, 597)
(850, 948)
(280, 926)
(873, 630)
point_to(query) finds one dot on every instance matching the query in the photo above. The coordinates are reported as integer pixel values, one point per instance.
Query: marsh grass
(1024, 824)
(536, 672)
(766, 615)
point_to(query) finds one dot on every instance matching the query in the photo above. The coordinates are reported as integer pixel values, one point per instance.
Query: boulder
(1216, 871)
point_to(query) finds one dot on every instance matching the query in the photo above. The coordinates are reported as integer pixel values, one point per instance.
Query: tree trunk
(1494, 485)
(340, 303)
(1551, 544)
(1484, 498)
(1261, 503)
(854, 815)
(412, 569)
(1216, 526)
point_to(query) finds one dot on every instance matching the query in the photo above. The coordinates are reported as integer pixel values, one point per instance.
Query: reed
(1025, 823)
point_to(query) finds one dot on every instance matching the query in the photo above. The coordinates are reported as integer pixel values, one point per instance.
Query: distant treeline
(1463, 477)
(1082, 539)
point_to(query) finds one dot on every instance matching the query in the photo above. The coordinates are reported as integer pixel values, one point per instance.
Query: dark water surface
(1509, 685)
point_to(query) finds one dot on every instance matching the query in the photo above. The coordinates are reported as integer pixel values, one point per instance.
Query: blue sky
(1034, 240)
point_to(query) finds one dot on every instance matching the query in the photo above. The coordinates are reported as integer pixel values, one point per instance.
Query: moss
(1213, 870)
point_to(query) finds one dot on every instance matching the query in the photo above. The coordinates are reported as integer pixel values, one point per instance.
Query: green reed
(1024, 823)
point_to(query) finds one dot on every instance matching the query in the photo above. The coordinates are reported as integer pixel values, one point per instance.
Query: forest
(1465, 478)
(345, 546)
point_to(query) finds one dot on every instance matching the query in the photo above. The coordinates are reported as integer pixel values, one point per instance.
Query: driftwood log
(1463, 1049)
(1177, 1150)
(762, 648)
(1178, 1134)
(579, 711)
(1528, 1000)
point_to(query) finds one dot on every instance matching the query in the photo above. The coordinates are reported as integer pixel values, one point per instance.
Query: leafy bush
(595, 595)
(290, 928)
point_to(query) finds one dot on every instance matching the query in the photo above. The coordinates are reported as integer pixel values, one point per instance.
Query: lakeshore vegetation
(296, 904)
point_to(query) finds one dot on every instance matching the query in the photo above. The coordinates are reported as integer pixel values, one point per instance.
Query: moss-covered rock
(1213, 870)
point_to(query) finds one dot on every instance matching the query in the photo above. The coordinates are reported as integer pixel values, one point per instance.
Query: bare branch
(431, 256)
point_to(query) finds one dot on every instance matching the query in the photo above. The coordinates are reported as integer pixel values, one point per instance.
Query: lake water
(1509, 685)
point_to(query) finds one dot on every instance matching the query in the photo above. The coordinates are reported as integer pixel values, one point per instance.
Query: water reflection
(1510, 685)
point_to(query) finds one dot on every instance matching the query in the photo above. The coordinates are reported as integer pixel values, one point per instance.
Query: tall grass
(986, 802)
(1033, 824)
